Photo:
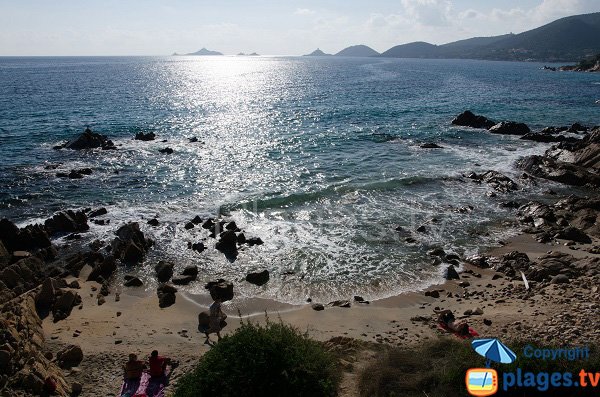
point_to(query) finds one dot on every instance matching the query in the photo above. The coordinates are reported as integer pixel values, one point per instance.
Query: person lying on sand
(446, 318)
(134, 367)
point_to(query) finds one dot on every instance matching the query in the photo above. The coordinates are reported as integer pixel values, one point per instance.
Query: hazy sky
(276, 27)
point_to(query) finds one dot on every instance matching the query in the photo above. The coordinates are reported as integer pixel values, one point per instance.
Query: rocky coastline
(42, 284)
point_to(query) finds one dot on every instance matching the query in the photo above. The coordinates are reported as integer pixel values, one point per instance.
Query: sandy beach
(134, 323)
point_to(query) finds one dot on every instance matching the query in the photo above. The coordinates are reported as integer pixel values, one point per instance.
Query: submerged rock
(221, 289)
(259, 278)
(510, 128)
(140, 136)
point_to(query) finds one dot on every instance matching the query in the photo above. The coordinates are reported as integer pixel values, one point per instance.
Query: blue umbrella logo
(493, 350)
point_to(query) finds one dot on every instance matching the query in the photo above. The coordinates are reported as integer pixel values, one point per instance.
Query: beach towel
(472, 332)
(145, 386)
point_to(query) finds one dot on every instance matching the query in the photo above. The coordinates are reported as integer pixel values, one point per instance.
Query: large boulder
(220, 289)
(164, 271)
(89, 140)
(513, 262)
(182, 280)
(573, 234)
(45, 298)
(227, 243)
(140, 136)
(67, 222)
(130, 246)
(509, 128)
(468, 119)
(64, 304)
(69, 356)
(258, 278)
(23, 275)
(166, 295)
(103, 269)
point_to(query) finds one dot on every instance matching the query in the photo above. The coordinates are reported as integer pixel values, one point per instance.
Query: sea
(319, 157)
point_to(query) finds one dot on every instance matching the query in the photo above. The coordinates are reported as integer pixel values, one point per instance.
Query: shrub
(271, 360)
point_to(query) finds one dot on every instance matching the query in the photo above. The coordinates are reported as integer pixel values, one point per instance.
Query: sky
(269, 27)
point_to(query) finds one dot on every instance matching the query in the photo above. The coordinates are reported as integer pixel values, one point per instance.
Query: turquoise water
(319, 157)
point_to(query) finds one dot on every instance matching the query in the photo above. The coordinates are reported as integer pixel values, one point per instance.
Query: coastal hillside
(317, 53)
(566, 39)
(357, 51)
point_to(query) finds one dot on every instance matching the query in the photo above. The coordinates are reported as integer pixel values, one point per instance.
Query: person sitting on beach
(157, 364)
(446, 318)
(134, 367)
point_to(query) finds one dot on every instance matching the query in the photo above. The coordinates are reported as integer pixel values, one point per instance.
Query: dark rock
(132, 281)
(498, 181)
(573, 234)
(74, 284)
(192, 139)
(560, 279)
(67, 222)
(513, 262)
(468, 119)
(318, 306)
(89, 140)
(166, 150)
(64, 304)
(433, 294)
(567, 173)
(438, 251)
(451, 273)
(166, 295)
(576, 127)
(259, 278)
(431, 146)
(254, 241)
(70, 356)
(182, 280)
(208, 224)
(29, 238)
(227, 242)
(189, 226)
(140, 136)
(104, 269)
(153, 222)
(509, 128)
(487, 322)
(98, 212)
(197, 220)
(198, 247)
(221, 289)
(232, 226)
(545, 138)
(190, 271)
(164, 271)
(241, 238)
(340, 303)
(130, 245)
(45, 298)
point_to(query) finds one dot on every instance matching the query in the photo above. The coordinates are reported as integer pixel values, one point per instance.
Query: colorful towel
(472, 332)
(145, 386)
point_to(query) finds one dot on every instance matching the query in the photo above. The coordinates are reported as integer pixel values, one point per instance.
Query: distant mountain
(203, 51)
(317, 53)
(357, 51)
(566, 39)
(418, 49)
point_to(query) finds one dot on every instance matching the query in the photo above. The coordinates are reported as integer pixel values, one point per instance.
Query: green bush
(271, 360)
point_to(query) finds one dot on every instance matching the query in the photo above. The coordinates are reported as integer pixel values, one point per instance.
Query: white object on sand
(525, 281)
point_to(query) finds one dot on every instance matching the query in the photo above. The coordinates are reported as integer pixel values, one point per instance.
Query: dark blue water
(319, 157)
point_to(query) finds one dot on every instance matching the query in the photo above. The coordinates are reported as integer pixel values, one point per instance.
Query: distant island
(357, 51)
(254, 54)
(201, 52)
(317, 53)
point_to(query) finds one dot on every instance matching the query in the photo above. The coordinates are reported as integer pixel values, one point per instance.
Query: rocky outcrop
(103, 268)
(29, 238)
(88, 140)
(130, 246)
(509, 128)
(468, 119)
(23, 365)
(498, 181)
(570, 162)
(67, 222)
(69, 356)
(20, 277)
(220, 289)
